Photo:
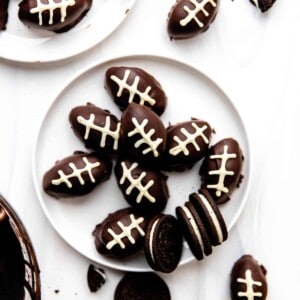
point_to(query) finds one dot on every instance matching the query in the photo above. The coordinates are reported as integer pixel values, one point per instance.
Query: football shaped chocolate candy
(128, 84)
(144, 189)
(221, 169)
(121, 233)
(187, 143)
(97, 128)
(188, 18)
(263, 5)
(76, 175)
(248, 279)
(53, 15)
(142, 134)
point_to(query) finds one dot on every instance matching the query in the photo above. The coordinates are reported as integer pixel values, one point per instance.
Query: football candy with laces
(221, 169)
(134, 85)
(248, 279)
(144, 189)
(76, 175)
(142, 135)
(121, 233)
(53, 15)
(188, 18)
(187, 143)
(97, 128)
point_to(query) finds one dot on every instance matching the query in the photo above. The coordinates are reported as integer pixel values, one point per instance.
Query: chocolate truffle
(128, 84)
(188, 18)
(98, 129)
(221, 169)
(263, 5)
(144, 189)
(142, 134)
(187, 143)
(121, 233)
(248, 279)
(3, 13)
(76, 175)
(58, 16)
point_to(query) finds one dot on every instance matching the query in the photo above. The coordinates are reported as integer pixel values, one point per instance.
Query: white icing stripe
(222, 172)
(256, 3)
(146, 137)
(51, 6)
(192, 13)
(213, 218)
(133, 89)
(194, 226)
(151, 239)
(250, 294)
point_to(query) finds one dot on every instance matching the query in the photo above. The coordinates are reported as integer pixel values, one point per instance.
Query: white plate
(21, 44)
(190, 93)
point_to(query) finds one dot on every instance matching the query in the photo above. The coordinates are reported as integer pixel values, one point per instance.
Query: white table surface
(255, 58)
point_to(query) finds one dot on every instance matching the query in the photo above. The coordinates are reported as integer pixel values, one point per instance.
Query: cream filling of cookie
(194, 226)
(214, 218)
(151, 239)
(256, 3)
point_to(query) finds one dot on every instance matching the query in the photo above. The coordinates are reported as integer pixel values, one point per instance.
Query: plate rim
(42, 58)
(111, 60)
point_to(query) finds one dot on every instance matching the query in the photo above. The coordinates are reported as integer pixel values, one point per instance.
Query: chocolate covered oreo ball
(142, 135)
(144, 189)
(76, 175)
(188, 18)
(263, 5)
(98, 129)
(187, 143)
(121, 233)
(248, 279)
(221, 169)
(58, 16)
(127, 85)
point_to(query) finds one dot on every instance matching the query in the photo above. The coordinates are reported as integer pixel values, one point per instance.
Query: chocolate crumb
(95, 277)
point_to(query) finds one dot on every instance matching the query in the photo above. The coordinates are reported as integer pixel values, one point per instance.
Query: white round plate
(21, 44)
(190, 94)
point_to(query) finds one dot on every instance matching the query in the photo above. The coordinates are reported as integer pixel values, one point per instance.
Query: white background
(254, 57)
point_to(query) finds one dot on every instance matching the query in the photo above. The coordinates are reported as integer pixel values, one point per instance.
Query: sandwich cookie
(163, 243)
(193, 230)
(211, 216)
(142, 285)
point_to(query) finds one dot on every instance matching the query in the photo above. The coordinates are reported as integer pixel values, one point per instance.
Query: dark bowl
(21, 258)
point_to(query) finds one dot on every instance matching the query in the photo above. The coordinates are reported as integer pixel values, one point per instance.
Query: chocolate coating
(142, 134)
(111, 239)
(263, 5)
(187, 143)
(76, 175)
(221, 169)
(98, 129)
(58, 16)
(128, 84)
(188, 18)
(144, 189)
(248, 279)
(3, 14)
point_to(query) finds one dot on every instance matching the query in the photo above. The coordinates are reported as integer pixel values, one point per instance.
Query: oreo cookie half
(144, 285)
(163, 243)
